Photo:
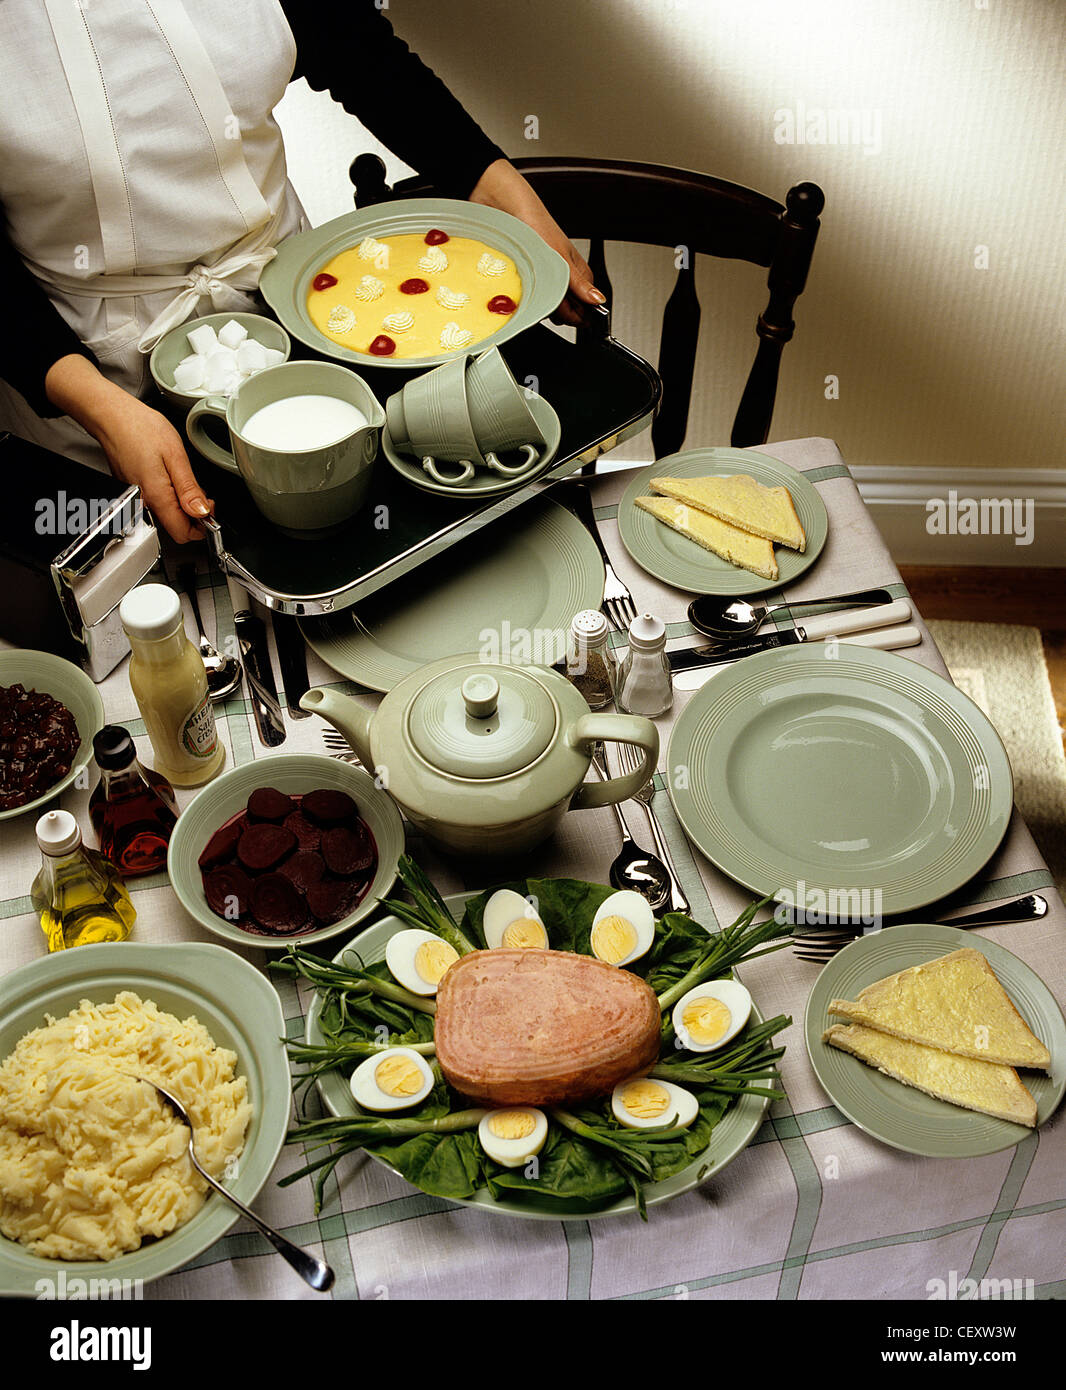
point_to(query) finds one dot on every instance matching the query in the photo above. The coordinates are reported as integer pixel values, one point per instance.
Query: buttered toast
(954, 1003)
(741, 548)
(741, 501)
(987, 1087)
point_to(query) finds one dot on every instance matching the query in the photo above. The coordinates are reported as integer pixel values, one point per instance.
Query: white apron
(141, 170)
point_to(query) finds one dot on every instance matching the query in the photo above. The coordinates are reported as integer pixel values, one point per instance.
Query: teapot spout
(345, 714)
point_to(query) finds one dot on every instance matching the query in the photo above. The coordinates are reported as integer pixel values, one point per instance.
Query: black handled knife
(262, 692)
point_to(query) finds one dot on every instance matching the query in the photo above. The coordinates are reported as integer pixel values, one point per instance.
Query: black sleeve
(37, 333)
(349, 48)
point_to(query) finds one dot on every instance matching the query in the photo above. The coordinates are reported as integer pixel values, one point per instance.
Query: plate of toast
(722, 521)
(936, 1041)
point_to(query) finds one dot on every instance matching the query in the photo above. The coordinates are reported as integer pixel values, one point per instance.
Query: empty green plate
(829, 770)
(673, 558)
(899, 1115)
(510, 592)
(730, 1136)
(286, 280)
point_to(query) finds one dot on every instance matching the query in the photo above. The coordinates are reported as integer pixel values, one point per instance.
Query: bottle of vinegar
(78, 894)
(170, 686)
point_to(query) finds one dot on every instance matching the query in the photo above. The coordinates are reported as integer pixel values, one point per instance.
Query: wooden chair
(614, 200)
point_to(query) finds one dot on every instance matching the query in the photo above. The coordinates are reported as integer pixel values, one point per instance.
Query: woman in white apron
(143, 178)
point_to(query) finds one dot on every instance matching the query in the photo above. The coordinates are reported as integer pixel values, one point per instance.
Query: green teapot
(485, 759)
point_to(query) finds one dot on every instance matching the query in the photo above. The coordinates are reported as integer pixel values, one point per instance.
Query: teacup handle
(531, 456)
(429, 465)
(590, 729)
(198, 436)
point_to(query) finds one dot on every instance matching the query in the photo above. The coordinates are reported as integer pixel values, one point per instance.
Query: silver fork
(822, 943)
(617, 600)
(337, 746)
(629, 760)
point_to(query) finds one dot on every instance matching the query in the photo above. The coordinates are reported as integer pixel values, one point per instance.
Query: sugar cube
(219, 367)
(251, 356)
(232, 334)
(203, 339)
(189, 375)
(274, 356)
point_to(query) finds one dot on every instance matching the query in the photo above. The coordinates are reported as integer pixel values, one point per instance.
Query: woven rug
(1001, 667)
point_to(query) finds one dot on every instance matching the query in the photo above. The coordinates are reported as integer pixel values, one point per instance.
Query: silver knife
(813, 630)
(262, 692)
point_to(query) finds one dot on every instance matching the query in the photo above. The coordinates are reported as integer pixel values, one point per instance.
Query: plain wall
(936, 298)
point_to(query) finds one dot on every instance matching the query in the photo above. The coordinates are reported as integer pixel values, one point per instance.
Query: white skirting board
(966, 516)
(934, 516)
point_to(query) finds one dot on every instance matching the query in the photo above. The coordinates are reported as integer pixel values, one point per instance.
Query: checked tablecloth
(812, 1209)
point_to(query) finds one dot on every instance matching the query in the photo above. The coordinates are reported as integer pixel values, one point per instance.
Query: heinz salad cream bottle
(169, 683)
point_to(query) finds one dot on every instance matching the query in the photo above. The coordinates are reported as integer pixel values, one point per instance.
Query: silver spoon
(311, 1269)
(634, 867)
(719, 616)
(224, 673)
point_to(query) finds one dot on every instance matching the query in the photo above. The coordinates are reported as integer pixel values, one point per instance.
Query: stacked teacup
(465, 414)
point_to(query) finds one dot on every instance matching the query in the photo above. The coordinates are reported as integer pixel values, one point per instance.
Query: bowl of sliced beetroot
(294, 847)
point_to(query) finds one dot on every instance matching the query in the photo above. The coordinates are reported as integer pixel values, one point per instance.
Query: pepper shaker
(590, 664)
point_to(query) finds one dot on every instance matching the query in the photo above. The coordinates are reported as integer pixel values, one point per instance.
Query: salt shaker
(644, 682)
(590, 664)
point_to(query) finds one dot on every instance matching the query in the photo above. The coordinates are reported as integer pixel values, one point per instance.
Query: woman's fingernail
(200, 507)
(597, 297)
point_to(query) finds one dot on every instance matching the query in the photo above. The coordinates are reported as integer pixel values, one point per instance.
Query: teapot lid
(482, 721)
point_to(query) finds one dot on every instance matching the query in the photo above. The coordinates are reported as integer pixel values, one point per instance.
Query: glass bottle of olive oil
(78, 894)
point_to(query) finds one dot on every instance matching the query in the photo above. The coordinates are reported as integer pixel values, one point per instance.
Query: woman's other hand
(141, 445)
(502, 186)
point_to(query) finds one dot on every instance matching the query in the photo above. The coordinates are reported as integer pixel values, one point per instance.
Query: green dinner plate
(68, 684)
(292, 773)
(510, 592)
(286, 280)
(676, 560)
(239, 1008)
(829, 771)
(484, 483)
(733, 1133)
(899, 1115)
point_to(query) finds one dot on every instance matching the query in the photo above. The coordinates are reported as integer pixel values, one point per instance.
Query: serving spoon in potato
(311, 1269)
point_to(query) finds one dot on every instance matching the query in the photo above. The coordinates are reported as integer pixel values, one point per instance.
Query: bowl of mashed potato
(95, 1179)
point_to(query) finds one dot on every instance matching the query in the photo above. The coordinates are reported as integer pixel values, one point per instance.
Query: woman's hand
(141, 445)
(502, 186)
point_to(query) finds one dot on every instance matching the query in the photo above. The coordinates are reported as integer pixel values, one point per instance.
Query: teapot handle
(588, 730)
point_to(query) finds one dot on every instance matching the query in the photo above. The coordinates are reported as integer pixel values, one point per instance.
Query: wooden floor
(981, 594)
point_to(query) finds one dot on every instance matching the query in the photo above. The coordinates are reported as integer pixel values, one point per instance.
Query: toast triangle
(740, 548)
(743, 502)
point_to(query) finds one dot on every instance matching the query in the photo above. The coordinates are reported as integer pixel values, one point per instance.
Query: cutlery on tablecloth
(617, 600)
(292, 658)
(634, 867)
(629, 759)
(262, 692)
(723, 618)
(819, 943)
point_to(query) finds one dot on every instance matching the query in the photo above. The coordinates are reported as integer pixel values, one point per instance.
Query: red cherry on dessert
(323, 281)
(435, 236)
(501, 304)
(414, 286)
(383, 346)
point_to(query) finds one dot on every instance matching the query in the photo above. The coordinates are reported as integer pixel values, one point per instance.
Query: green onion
(733, 1070)
(728, 948)
(327, 976)
(430, 911)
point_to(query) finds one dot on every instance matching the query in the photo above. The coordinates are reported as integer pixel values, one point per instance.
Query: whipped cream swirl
(453, 336)
(399, 322)
(341, 319)
(370, 249)
(491, 265)
(369, 287)
(434, 260)
(451, 299)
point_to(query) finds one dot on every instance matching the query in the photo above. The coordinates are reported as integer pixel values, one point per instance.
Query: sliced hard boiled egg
(711, 1014)
(512, 1136)
(643, 1103)
(623, 928)
(394, 1079)
(511, 920)
(418, 959)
